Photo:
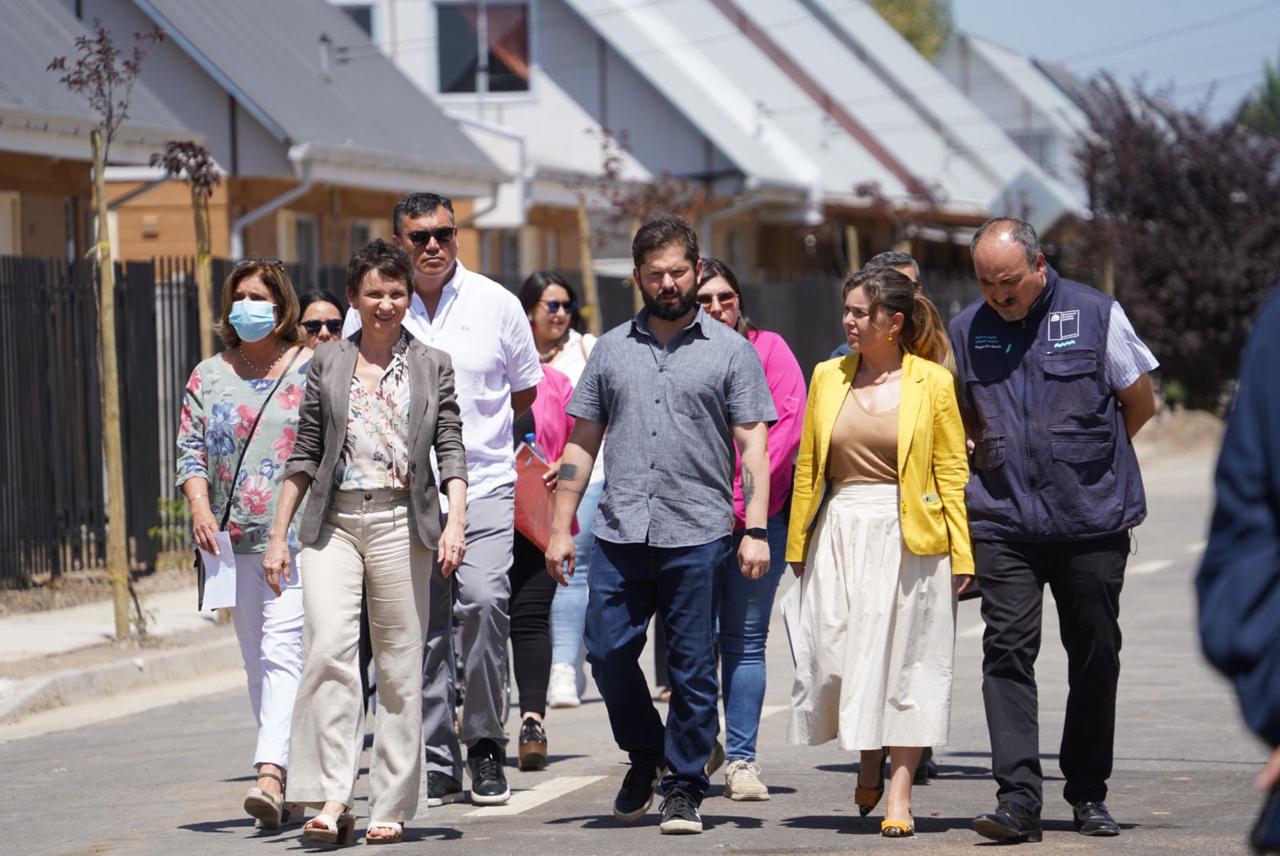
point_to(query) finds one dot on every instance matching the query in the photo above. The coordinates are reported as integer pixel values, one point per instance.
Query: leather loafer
(1010, 823)
(1092, 818)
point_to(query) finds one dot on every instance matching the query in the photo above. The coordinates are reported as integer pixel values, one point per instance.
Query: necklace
(257, 368)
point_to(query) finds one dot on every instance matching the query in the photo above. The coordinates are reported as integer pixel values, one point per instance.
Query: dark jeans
(532, 590)
(629, 583)
(1085, 578)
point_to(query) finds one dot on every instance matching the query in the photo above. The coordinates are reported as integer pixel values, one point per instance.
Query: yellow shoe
(890, 828)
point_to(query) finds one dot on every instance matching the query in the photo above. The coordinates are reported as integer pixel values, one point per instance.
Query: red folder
(535, 502)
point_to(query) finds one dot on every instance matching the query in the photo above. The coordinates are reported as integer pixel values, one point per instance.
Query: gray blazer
(322, 431)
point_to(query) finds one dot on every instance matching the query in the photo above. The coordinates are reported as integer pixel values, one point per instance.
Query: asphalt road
(170, 779)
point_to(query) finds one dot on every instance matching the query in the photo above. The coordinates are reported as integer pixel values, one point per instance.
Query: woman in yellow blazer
(879, 538)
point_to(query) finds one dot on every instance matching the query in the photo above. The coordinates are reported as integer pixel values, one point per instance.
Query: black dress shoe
(1092, 818)
(636, 794)
(442, 788)
(1010, 823)
(927, 768)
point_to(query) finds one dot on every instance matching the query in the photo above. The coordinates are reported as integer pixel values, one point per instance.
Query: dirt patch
(173, 571)
(1175, 430)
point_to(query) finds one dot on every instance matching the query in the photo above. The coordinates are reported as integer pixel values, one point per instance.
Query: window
(306, 243)
(360, 234)
(362, 14)
(484, 47)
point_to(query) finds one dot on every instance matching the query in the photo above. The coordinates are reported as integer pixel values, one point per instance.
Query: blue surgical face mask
(253, 319)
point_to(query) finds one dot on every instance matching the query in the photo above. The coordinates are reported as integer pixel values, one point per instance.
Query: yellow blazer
(933, 466)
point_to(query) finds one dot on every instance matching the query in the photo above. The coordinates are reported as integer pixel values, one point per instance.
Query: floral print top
(375, 454)
(218, 408)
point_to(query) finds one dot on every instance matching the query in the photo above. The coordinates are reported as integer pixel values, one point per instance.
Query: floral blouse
(375, 454)
(218, 409)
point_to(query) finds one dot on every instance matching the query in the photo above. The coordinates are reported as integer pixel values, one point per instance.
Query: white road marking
(124, 704)
(973, 632)
(522, 801)
(1197, 547)
(771, 709)
(1151, 566)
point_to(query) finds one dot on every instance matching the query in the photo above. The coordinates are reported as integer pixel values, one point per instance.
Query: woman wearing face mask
(745, 605)
(321, 318)
(878, 508)
(225, 461)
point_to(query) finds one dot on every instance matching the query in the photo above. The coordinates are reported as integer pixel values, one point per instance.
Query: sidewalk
(65, 658)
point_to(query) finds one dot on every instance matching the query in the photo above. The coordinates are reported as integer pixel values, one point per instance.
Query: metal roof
(269, 56)
(36, 31)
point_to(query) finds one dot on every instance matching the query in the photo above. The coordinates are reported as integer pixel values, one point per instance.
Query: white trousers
(366, 539)
(270, 632)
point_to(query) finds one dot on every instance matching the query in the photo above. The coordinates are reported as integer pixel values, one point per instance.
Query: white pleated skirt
(876, 639)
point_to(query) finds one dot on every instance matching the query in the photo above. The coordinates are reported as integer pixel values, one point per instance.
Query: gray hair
(892, 259)
(1019, 231)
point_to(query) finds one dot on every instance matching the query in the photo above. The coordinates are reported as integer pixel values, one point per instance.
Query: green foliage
(926, 24)
(1261, 111)
(174, 531)
(1186, 209)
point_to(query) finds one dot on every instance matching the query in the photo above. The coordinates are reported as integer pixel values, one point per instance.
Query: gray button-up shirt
(668, 464)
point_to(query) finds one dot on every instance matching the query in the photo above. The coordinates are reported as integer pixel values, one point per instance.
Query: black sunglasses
(443, 235)
(313, 327)
(273, 263)
(554, 306)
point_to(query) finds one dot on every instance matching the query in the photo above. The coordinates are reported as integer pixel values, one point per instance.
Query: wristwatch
(756, 532)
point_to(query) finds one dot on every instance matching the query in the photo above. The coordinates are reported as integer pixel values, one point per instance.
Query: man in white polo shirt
(496, 370)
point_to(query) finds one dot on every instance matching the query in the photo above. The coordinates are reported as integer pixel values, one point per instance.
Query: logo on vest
(986, 343)
(1064, 325)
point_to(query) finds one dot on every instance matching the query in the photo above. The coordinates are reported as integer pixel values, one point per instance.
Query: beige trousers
(367, 539)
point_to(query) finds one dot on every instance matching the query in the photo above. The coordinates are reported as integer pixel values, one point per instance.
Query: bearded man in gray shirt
(676, 389)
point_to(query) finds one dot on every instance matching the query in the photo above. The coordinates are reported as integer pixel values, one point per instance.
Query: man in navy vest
(1053, 386)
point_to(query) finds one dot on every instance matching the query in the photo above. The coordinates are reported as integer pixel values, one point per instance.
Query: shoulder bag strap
(226, 514)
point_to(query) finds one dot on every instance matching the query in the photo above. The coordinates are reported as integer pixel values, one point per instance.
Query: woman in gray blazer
(376, 405)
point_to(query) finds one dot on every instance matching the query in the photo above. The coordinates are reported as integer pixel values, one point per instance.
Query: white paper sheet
(789, 604)
(220, 575)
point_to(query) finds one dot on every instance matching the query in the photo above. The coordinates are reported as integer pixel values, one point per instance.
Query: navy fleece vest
(1052, 460)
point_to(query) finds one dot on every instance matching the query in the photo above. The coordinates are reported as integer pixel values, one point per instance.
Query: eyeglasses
(554, 306)
(334, 326)
(726, 298)
(422, 237)
(272, 263)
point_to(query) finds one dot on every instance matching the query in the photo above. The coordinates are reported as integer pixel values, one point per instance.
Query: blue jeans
(629, 582)
(569, 609)
(744, 608)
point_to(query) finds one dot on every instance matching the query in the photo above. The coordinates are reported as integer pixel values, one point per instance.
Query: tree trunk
(109, 381)
(590, 293)
(204, 272)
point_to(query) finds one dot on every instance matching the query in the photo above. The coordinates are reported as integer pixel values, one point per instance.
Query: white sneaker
(562, 689)
(742, 782)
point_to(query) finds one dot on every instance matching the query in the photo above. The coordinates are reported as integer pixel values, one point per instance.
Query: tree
(926, 24)
(192, 163)
(1184, 208)
(105, 78)
(1261, 111)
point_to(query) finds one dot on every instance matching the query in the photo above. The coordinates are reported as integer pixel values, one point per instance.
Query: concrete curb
(76, 686)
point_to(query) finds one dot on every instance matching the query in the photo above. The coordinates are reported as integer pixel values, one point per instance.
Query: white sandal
(327, 829)
(396, 828)
(269, 809)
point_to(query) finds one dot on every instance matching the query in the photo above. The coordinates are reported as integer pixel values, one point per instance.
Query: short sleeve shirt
(1127, 357)
(670, 413)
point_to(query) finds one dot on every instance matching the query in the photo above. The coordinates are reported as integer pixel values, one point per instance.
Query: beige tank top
(864, 446)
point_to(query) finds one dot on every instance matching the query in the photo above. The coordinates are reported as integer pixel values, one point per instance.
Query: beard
(672, 312)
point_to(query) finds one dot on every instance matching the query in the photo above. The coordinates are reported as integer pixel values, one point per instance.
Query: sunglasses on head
(272, 263)
(554, 306)
(422, 237)
(313, 327)
(726, 298)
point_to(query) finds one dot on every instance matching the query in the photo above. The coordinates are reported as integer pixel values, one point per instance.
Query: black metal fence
(52, 509)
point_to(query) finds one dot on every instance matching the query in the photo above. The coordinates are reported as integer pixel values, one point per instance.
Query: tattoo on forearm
(568, 472)
(748, 487)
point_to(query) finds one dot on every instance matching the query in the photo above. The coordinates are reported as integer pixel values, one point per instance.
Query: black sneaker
(1010, 823)
(636, 794)
(1092, 818)
(680, 814)
(442, 788)
(485, 763)
(533, 745)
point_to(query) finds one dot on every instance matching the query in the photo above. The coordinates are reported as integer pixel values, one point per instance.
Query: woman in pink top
(532, 588)
(745, 605)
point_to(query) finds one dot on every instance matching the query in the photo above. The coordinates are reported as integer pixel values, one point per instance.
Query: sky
(1188, 44)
